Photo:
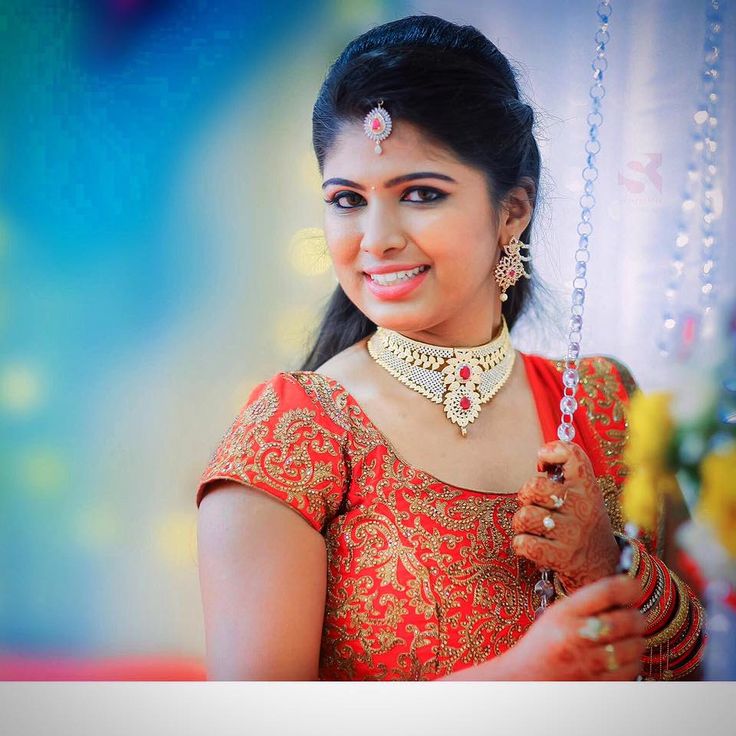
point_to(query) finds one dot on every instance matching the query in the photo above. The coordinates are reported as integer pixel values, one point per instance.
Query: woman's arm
(262, 572)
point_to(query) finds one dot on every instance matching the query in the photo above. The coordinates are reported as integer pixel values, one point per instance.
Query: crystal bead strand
(703, 168)
(570, 376)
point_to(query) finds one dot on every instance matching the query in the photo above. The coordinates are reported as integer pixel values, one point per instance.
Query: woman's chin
(401, 317)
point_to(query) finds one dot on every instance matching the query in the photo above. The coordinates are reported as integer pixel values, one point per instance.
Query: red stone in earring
(511, 266)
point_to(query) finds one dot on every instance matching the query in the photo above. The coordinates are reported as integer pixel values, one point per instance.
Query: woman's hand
(592, 634)
(578, 543)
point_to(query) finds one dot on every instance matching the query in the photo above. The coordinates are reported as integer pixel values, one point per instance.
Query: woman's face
(413, 237)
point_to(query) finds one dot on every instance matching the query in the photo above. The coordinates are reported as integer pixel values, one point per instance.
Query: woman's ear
(517, 210)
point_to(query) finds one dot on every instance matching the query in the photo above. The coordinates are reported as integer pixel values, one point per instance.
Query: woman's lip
(397, 290)
(394, 267)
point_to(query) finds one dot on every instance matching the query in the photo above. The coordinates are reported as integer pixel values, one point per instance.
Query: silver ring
(557, 501)
(548, 523)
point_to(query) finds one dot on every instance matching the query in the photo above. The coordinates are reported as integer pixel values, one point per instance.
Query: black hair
(453, 84)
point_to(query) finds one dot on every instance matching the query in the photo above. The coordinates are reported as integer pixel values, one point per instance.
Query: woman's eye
(351, 200)
(433, 195)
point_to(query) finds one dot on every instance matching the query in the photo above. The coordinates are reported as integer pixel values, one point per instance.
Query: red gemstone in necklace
(465, 372)
(465, 403)
(512, 273)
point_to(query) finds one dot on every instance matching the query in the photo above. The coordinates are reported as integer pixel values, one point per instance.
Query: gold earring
(510, 267)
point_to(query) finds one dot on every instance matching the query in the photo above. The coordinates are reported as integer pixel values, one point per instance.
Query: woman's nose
(382, 232)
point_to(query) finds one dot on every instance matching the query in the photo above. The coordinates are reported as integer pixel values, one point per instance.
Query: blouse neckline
(538, 399)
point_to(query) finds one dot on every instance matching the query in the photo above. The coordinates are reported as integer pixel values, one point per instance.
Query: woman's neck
(467, 335)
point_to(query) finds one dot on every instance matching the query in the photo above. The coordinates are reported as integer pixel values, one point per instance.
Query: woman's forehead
(407, 148)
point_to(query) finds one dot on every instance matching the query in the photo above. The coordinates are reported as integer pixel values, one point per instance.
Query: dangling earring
(511, 266)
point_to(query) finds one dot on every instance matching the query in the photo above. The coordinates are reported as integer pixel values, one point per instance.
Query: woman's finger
(612, 591)
(541, 491)
(609, 627)
(535, 520)
(556, 453)
(542, 552)
(576, 465)
(612, 657)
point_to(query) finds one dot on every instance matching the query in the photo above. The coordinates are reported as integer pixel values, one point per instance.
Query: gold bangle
(688, 637)
(645, 569)
(696, 661)
(676, 624)
(661, 611)
(648, 607)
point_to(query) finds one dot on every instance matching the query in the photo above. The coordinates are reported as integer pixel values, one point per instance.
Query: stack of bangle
(674, 635)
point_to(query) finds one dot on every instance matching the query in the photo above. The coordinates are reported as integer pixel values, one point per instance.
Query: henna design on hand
(582, 548)
(568, 655)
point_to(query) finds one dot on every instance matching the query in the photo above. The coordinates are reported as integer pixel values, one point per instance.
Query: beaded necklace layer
(462, 379)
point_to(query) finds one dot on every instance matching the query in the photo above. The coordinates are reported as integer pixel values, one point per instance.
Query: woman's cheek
(343, 244)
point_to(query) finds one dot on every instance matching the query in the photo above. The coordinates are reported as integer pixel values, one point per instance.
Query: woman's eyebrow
(391, 182)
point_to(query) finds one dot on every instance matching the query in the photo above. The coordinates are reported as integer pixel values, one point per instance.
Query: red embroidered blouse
(421, 580)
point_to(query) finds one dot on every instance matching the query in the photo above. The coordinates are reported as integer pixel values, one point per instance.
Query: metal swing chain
(571, 376)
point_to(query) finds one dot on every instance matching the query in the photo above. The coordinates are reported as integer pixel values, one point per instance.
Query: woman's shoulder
(607, 369)
(297, 393)
(598, 369)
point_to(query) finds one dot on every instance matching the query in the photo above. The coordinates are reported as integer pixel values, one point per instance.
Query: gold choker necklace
(463, 379)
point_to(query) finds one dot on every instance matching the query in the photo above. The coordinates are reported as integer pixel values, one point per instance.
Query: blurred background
(161, 254)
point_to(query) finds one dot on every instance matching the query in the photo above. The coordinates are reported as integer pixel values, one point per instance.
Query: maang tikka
(377, 125)
(510, 267)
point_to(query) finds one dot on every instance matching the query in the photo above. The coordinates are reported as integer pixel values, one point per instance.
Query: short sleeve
(285, 443)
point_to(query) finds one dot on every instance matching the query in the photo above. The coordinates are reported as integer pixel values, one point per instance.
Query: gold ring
(548, 523)
(611, 661)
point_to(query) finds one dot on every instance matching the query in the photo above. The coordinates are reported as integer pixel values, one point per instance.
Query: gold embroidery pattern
(612, 498)
(278, 453)
(423, 568)
(421, 577)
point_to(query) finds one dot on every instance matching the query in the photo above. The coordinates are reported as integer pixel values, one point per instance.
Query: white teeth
(385, 279)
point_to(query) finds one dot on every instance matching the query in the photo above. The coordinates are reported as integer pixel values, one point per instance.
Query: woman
(419, 533)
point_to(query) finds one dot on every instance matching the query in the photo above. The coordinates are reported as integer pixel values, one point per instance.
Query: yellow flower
(650, 430)
(639, 497)
(718, 495)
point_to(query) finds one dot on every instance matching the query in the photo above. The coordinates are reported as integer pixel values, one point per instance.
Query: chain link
(571, 375)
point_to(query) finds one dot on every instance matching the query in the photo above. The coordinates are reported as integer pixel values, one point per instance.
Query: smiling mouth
(396, 277)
